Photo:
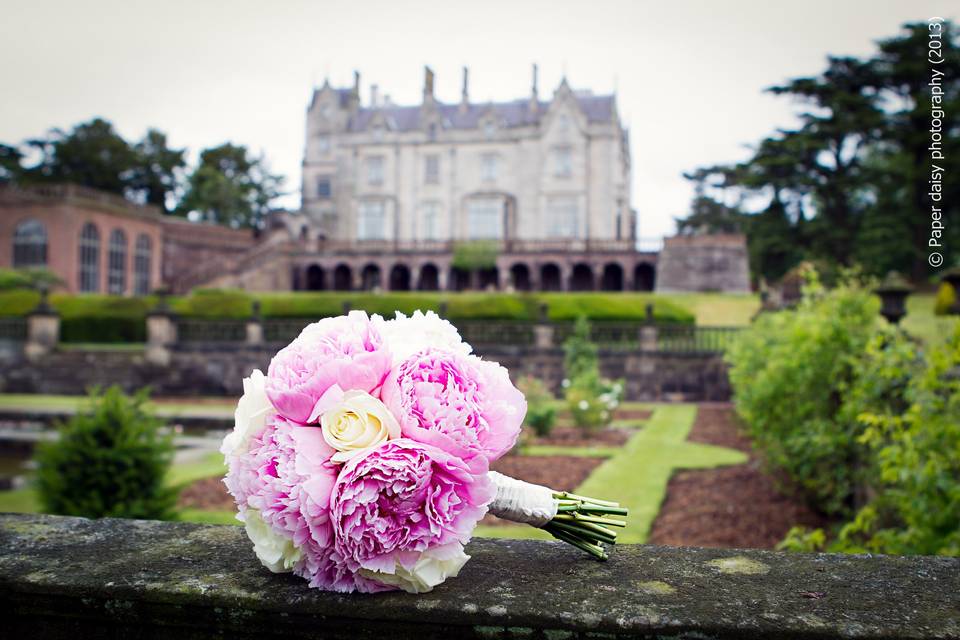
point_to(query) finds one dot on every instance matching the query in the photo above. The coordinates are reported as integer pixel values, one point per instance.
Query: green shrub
(590, 398)
(790, 372)
(541, 407)
(110, 461)
(215, 303)
(476, 254)
(915, 503)
(32, 278)
(946, 298)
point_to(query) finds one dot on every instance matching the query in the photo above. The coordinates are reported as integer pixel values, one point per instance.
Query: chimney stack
(374, 95)
(464, 94)
(355, 94)
(427, 84)
(534, 92)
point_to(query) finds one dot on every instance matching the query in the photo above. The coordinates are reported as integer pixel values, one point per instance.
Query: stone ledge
(70, 577)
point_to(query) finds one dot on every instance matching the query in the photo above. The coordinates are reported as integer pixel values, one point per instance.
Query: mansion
(389, 191)
(396, 198)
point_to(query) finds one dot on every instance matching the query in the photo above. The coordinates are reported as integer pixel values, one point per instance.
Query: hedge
(102, 318)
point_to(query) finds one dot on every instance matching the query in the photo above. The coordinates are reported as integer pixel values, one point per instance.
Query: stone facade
(704, 263)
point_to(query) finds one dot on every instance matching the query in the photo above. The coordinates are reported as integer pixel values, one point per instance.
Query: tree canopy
(848, 185)
(228, 186)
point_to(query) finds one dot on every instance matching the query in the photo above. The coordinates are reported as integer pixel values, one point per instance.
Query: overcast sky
(688, 74)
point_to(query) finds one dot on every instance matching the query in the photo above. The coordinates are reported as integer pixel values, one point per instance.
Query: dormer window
(489, 129)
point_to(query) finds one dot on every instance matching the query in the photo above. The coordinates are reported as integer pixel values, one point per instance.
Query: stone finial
(347, 306)
(255, 310)
(544, 312)
(374, 95)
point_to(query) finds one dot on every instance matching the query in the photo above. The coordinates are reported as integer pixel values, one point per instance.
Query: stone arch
(487, 278)
(429, 278)
(520, 277)
(644, 277)
(370, 277)
(400, 278)
(581, 278)
(612, 279)
(342, 278)
(316, 278)
(550, 279)
(459, 279)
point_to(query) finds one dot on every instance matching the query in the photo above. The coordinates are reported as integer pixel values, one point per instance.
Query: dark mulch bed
(575, 437)
(632, 414)
(208, 493)
(736, 506)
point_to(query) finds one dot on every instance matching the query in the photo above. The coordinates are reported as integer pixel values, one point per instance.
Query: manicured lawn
(207, 407)
(922, 323)
(637, 475)
(717, 309)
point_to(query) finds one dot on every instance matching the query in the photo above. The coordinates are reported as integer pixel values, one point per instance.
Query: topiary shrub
(109, 461)
(946, 298)
(541, 407)
(591, 399)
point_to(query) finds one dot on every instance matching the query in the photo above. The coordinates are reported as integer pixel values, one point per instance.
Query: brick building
(101, 243)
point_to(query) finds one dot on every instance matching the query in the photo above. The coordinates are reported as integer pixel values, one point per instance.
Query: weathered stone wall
(71, 577)
(704, 263)
(220, 371)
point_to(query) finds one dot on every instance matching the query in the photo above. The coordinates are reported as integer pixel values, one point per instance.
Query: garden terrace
(63, 577)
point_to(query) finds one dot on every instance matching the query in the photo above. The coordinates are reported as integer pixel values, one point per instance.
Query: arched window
(89, 258)
(117, 263)
(141, 265)
(29, 245)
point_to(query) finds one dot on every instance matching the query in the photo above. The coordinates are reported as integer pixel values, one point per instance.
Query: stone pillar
(566, 272)
(255, 326)
(543, 330)
(648, 332)
(442, 278)
(43, 329)
(161, 333)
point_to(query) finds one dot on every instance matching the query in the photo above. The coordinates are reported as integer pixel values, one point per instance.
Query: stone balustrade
(70, 577)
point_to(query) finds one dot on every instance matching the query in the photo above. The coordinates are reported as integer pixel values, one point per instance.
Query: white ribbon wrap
(522, 502)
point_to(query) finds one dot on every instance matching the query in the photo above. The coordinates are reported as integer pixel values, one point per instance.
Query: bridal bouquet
(361, 461)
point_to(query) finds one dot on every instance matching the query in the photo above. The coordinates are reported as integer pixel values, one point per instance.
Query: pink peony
(286, 478)
(466, 406)
(327, 358)
(404, 502)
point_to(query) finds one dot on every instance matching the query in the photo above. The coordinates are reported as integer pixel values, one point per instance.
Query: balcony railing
(352, 247)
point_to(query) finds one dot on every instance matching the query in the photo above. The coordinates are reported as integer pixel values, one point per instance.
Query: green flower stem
(592, 549)
(583, 522)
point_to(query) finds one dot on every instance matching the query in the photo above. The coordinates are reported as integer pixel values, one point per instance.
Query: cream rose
(357, 422)
(431, 568)
(274, 551)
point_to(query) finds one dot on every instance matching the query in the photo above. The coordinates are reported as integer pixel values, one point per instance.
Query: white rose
(250, 417)
(359, 421)
(432, 568)
(275, 551)
(409, 335)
